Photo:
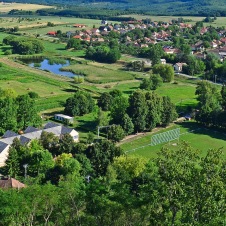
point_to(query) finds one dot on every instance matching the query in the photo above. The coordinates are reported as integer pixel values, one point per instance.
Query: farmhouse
(178, 67)
(79, 25)
(32, 133)
(52, 33)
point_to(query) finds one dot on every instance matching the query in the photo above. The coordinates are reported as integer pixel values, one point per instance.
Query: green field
(221, 21)
(201, 138)
(95, 74)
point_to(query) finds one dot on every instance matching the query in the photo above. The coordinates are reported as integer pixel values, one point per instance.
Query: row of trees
(142, 111)
(176, 188)
(22, 45)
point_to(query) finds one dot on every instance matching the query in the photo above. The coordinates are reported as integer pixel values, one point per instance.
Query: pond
(54, 67)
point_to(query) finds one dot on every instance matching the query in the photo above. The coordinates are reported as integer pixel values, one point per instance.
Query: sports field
(198, 137)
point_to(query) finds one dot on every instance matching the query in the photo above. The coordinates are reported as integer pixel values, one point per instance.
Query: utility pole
(25, 170)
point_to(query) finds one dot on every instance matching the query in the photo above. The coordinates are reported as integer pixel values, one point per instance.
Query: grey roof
(30, 129)
(56, 130)
(51, 125)
(33, 135)
(24, 140)
(65, 130)
(2, 146)
(9, 140)
(9, 133)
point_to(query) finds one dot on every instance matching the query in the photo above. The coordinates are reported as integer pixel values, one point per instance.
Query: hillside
(171, 7)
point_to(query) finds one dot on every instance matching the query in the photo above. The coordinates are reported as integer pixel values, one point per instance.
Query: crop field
(201, 139)
(6, 7)
(34, 25)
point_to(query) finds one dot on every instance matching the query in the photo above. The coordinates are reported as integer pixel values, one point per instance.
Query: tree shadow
(199, 129)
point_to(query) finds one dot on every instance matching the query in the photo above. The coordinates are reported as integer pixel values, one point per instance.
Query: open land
(99, 77)
(6, 7)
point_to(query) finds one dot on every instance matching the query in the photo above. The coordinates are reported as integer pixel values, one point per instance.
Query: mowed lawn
(201, 138)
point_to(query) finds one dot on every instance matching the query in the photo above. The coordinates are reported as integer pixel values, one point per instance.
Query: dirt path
(16, 65)
(130, 138)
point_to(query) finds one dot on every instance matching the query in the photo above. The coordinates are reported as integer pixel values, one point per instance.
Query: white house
(178, 67)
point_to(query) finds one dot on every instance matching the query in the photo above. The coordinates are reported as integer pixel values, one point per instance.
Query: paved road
(196, 78)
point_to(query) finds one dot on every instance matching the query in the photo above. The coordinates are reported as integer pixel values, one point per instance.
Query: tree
(66, 143)
(138, 110)
(8, 114)
(127, 124)
(50, 142)
(12, 165)
(155, 53)
(118, 109)
(27, 112)
(165, 71)
(81, 103)
(155, 109)
(101, 154)
(169, 111)
(74, 43)
(105, 101)
(115, 133)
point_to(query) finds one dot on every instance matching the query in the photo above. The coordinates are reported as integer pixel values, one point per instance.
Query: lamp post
(25, 170)
(215, 78)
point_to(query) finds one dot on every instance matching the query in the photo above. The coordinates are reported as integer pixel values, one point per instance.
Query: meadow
(6, 7)
(219, 22)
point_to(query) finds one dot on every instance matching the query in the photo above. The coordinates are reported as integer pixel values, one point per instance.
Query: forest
(154, 7)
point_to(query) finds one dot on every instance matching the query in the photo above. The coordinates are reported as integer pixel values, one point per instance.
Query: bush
(78, 79)
(8, 52)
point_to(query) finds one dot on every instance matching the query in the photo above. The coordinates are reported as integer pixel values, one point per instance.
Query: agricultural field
(6, 7)
(32, 25)
(197, 136)
(219, 22)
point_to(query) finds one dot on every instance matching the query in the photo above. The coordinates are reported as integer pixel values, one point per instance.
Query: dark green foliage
(209, 104)
(105, 101)
(127, 124)
(169, 113)
(24, 45)
(138, 110)
(151, 83)
(103, 54)
(115, 133)
(101, 154)
(81, 103)
(33, 95)
(27, 113)
(74, 43)
(12, 166)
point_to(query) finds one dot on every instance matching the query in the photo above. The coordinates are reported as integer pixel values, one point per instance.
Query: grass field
(6, 7)
(38, 24)
(221, 21)
(201, 138)
(95, 74)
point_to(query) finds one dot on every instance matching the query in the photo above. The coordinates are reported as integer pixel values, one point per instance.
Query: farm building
(64, 118)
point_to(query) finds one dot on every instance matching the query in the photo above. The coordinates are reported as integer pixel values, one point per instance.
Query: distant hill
(161, 7)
